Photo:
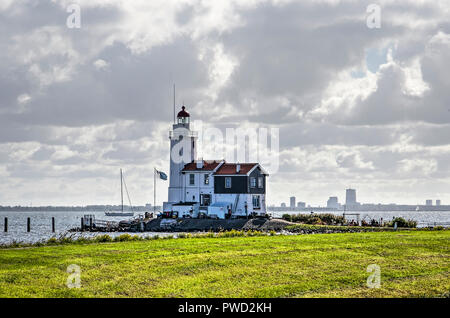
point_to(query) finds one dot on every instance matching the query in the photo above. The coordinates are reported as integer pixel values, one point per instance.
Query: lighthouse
(210, 188)
(183, 150)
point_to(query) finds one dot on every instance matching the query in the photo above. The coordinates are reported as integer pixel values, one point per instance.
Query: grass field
(413, 264)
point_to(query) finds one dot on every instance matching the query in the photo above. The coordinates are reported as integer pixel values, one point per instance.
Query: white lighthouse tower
(183, 150)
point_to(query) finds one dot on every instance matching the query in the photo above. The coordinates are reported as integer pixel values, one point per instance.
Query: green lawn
(413, 264)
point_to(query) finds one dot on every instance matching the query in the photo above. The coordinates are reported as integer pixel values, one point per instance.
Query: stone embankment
(195, 225)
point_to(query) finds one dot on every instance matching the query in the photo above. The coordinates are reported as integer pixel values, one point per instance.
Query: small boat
(121, 213)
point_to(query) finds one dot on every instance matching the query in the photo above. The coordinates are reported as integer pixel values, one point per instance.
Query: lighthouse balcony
(177, 134)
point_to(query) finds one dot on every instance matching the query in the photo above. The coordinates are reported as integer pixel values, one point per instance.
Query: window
(252, 182)
(228, 182)
(191, 179)
(183, 120)
(206, 179)
(256, 202)
(260, 182)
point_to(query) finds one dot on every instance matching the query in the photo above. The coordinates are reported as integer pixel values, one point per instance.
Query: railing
(183, 133)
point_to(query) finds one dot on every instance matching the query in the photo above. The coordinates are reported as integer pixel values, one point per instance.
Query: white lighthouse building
(182, 151)
(210, 188)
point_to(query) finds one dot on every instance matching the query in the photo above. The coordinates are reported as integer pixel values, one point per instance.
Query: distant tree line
(88, 208)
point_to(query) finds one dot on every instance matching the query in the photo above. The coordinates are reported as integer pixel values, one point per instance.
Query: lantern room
(183, 116)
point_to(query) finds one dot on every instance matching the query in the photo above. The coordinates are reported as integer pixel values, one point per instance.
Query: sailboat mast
(174, 103)
(121, 188)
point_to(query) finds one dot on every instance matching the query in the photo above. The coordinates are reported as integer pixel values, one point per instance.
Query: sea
(41, 223)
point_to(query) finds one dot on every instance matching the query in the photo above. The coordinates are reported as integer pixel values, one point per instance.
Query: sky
(360, 107)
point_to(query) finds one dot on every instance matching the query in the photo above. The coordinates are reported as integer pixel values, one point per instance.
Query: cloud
(101, 64)
(360, 106)
(425, 167)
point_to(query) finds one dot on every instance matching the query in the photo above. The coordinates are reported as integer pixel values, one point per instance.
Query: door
(205, 199)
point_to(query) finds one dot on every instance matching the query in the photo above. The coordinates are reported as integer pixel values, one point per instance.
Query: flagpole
(154, 191)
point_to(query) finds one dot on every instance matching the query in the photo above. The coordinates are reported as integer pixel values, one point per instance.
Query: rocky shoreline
(205, 225)
(214, 225)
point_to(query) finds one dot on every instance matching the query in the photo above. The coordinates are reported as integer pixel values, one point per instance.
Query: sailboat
(122, 213)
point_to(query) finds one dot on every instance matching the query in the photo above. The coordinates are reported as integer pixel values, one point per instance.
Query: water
(41, 223)
(423, 218)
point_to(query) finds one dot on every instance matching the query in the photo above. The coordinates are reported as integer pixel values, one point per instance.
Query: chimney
(238, 168)
(200, 164)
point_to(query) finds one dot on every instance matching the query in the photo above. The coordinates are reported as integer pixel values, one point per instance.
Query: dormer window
(260, 182)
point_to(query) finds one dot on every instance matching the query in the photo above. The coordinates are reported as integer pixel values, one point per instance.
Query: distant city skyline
(350, 199)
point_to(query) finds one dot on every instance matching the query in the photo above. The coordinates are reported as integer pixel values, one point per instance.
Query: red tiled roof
(230, 168)
(208, 165)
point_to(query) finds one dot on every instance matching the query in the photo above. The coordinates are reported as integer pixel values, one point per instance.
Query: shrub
(83, 240)
(52, 241)
(122, 238)
(300, 218)
(314, 220)
(331, 219)
(401, 222)
(125, 237)
(318, 219)
(65, 240)
(103, 238)
(232, 233)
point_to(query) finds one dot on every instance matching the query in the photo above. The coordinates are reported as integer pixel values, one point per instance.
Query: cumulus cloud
(359, 106)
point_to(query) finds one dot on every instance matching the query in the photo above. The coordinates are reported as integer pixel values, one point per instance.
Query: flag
(161, 175)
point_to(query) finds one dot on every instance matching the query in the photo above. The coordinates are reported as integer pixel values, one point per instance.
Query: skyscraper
(292, 205)
(301, 204)
(332, 203)
(350, 197)
(429, 202)
(438, 202)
